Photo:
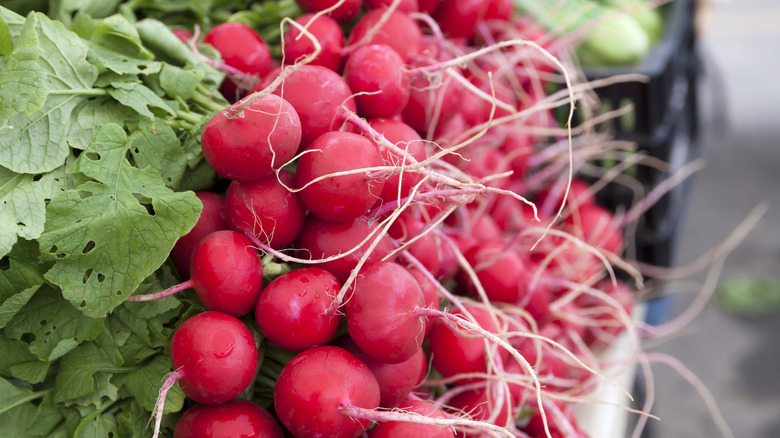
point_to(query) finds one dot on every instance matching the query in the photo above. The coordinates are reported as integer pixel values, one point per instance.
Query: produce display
(314, 219)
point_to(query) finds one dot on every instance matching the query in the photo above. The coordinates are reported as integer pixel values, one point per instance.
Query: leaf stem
(80, 92)
(163, 293)
(23, 400)
(188, 117)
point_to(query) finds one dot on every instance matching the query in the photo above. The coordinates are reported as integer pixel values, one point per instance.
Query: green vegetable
(618, 40)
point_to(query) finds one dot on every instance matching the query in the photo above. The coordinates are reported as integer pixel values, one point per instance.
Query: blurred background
(733, 345)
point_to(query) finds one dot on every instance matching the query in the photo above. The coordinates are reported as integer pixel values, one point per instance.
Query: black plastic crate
(664, 125)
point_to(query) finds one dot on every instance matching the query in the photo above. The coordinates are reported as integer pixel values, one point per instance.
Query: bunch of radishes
(383, 175)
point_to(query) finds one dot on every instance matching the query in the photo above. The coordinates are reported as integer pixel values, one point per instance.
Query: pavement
(737, 358)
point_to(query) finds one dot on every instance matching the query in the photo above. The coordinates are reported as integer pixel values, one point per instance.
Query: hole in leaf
(94, 156)
(5, 264)
(28, 337)
(37, 177)
(146, 202)
(43, 322)
(86, 276)
(83, 194)
(101, 278)
(60, 255)
(53, 249)
(82, 304)
(20, 224)
(47, 333)
(118, 293)
(76, 152)
(88, 247)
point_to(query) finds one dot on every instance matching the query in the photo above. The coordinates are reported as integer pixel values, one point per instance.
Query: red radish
(396, 380)
(214, 356)
(328, 34)
(481, 404)
(430, 295)
(251, 145)
(501, 271)
(227, 273)
(235, 418)
(595, 225)
(266, 209)
(240, 47)
(406, 139)
(429, 6)
(425, 248)
(427, 99)
(316, 385)
(406, 6)
(459, 18)
(579, 194)
(343, 197)
(345, 12)
(453, 351)
(501, 10)
(321, 239)
(381, 314)
(211, 219)
(607, 318)
(291, 311)
(373, 70)
(316, 93)
(406, 429)
(398, 31)
(183, 34)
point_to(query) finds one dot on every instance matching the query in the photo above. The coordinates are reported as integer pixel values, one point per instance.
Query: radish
(240, 47)
(235, 418)
(501, 271)
(343, 13)
(430, 295)
(322, 239)
(407, 429)
(316, 386)
(396, 380)
(328, 34)
(291, 310)
(459, 18)
(424, 248)
(249, 142)
(212, 218)
(396, 30)
(316, 93)
(405, 138)
(226, 273)
(454, 352)
(489, 402)
(595, 225)
(342, 197)
(431, 101)
(372, 70)
(381, 312)
(266, 209)
(405, 6)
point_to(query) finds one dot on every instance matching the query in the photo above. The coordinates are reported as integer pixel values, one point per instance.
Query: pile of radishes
(378, 225)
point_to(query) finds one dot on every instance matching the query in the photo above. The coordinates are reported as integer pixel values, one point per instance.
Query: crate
(663, 125)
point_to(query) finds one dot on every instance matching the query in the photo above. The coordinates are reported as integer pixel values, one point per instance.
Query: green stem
(279, 355)
(180, 125)
(266, 381)
(188, 117)
(23, 400)
(207, 103)
(80, 92)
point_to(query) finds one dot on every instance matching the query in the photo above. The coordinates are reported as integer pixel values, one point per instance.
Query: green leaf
(178, 82)
(89, 116)
(138, 97)
(107, 235)
(145, 384)
(63, 10)
(6, 45)
(22, 198)
(54, 326)
(16, 411)
(14, 352)
(47, 417)
(32, 372)
(154, 144)
(22, 82)
(34, 142)
(118, 35)
(77, 369)
(15, 303)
